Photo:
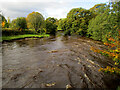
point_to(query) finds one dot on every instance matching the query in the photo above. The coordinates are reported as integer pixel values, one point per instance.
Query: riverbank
(9, 38)
(55, 62)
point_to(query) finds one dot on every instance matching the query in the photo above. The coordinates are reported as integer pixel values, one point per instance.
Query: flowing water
(55, 62)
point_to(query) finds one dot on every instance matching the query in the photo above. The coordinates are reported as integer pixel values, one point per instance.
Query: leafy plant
(113, 52)
(35, 20)
(50, 25)
(19, 23)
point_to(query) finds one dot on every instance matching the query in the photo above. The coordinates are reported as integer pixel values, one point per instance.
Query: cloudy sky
(48, 8)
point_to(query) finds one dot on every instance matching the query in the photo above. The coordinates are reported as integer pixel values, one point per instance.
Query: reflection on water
(34, 62)
(33, 42)
(18, 50)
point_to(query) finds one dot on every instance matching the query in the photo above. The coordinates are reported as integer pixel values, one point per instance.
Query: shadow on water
(55, 62)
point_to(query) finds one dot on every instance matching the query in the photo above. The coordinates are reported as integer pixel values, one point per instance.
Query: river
(55, 62)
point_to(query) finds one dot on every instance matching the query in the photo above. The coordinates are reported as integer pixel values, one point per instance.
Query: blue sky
(51, 8)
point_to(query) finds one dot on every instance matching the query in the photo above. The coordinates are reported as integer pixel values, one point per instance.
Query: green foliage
(4, 21)
(51, 19)
(24, 36)
(104, 23)
(98, 8)
(8, 21)
(35, 20)
(19, 23)
(62, 23)
(50, 24)
(3, 18)
(41, 30)
(19, 26)
(76, 21)
(11, 32)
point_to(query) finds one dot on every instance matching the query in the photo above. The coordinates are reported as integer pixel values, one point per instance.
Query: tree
(4, 22)
(62, 23)
(98, 8)
(19, 23)
(77, 21)
(51, 26)
(105, 23)
(35, 20)
(8, 20)
(51, 19)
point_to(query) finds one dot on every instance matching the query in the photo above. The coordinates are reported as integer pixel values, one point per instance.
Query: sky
(48, 8)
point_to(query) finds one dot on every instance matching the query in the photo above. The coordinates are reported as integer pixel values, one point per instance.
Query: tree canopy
(50, 24)
(104, 23)
(19, 23)
(35, 20)
(4, 21)
(76, 21)
(51, 19)
(98, 8)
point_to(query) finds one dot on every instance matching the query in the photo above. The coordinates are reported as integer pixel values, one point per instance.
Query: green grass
(7, 38)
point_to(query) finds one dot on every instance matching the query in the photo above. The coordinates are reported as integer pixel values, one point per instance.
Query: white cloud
(48, 8)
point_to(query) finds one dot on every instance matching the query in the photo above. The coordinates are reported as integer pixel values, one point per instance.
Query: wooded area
(101, 23)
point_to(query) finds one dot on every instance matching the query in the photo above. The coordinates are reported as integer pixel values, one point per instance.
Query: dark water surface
(55, 62)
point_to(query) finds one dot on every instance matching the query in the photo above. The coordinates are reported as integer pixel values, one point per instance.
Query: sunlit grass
(23, 36)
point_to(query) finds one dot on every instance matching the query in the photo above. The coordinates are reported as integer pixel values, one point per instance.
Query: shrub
(10, 32)
(50, 25)
(113, 52)
(19, 23)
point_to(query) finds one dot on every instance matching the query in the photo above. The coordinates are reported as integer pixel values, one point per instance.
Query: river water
(55, 62)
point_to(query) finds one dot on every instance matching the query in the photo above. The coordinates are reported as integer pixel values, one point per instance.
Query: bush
(35, 20)
(19, 23)
(10, 32)
(104, 24)
(113, 52)
(76, 21)
(50, 25)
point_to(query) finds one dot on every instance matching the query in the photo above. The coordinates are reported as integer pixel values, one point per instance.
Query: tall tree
(105, 23)
(35, 20)
(51, 26)
(4, 21)
(77, 21)
(98, 8)
(8, 20)
(51, 19)
(19, 23)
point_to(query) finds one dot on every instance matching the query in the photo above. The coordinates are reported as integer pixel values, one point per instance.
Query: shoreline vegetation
(15, 37)
(100, 23)
(9, 34)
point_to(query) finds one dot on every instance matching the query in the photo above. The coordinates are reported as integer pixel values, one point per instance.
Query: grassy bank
(8, 38)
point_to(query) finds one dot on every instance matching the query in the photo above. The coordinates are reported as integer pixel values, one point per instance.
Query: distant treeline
(95, 23)
(34, 23)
